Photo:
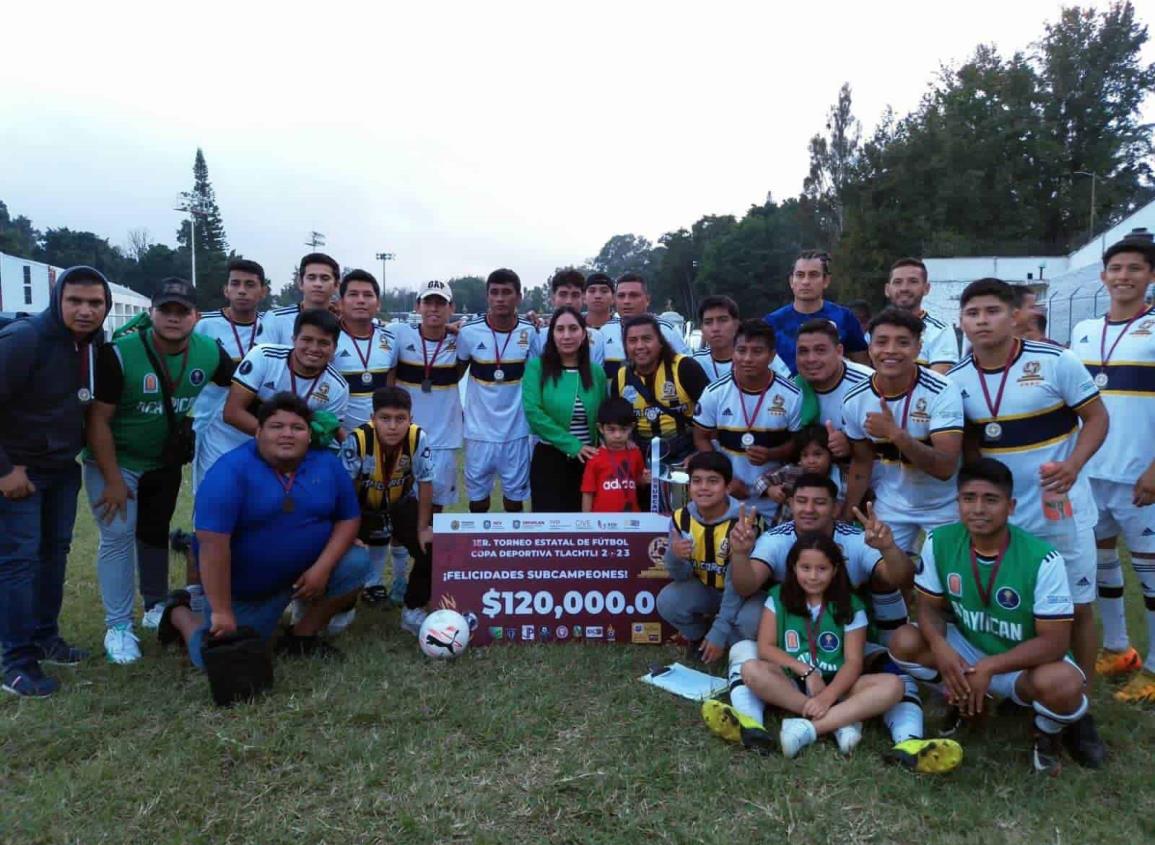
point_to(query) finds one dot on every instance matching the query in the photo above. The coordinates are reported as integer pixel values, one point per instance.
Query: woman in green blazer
(561, 392)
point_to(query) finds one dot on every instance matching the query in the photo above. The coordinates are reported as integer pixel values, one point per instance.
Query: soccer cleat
(952, 721)
(411, 619)
(29, 682)
(121, 644)
(723, 720)
(375, 596)
(59, 652)
(926, 756)
(1139, 690)
(848, 737)
(166, 632)
(1046, 756)
(1084, 743)
(795, 735)
(1111, 664)
(151, 618)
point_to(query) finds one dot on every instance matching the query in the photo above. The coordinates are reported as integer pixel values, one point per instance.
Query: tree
(66, 248)
(832, 166)
(626, 254)
(17, 237)
(211, 242)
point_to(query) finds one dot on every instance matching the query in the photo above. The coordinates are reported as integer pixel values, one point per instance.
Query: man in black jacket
(46, 379)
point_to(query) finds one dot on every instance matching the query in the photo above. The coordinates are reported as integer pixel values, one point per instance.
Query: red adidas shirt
(613, 479)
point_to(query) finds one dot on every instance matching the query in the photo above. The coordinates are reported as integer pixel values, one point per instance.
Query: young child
(814, 456)
(390, 461)
(612, 476)
(810, 649)
(697, 558)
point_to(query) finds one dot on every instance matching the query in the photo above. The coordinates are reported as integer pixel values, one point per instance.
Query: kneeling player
(387, 458)
(810, 647)
(1012, 615)
(698, 555)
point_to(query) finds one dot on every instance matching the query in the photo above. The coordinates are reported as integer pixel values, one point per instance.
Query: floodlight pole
(384, 258)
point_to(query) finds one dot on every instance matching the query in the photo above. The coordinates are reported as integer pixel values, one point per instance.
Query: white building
(26, 286)
(1069, 285)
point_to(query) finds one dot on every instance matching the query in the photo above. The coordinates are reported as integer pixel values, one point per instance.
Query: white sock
(889, 613)
(1109, 580)
(917, 671)
(742, 697)
(904, 720)
(1145, 569)
(1050, 722)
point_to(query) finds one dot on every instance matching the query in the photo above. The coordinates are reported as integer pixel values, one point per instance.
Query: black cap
(176, 290)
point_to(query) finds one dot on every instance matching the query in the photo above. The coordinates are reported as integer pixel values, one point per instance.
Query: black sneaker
(952, 722)
(59, 652)
(166, 632)
(1046, 756)
(293, 645)
(1084, 744)
(376, 596)
(29, 682)
(758, 740)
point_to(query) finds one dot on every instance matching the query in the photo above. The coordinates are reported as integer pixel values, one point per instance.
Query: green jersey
(995, 602)
(828, 651)
(126, 378)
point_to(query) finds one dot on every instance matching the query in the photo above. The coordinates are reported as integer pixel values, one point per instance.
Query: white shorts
(1077, 546)
(444, 477)
(1002, 686)
(906, 530)
(510, 460)
(1117, 515)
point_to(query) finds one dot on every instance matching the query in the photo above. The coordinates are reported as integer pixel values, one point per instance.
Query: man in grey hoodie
(46, 380)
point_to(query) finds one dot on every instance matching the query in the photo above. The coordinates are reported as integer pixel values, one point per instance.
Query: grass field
(506, 745)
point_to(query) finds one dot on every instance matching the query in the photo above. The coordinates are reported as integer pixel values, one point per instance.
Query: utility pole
(1094, 181)
(384, 258)
(316, 239)
(189, 203)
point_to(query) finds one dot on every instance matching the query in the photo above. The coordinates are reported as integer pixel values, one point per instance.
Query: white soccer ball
(444, 634)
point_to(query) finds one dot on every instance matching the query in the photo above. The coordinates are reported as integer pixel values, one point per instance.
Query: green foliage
(17, 237)
(468, 294)
(211, 242)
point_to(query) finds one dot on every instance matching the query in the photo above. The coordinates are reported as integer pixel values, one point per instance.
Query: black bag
(180, 444)
(239, 666)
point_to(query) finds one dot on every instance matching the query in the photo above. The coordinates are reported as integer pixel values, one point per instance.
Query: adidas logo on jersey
(1147, 532)
(481, 345)
(1083, 339)
(1083, 582)
(270, 385)
(411, 348)
(344, 354)
(726, 412)
(619, 484)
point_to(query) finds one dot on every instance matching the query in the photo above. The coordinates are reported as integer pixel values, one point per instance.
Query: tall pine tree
(212, 248)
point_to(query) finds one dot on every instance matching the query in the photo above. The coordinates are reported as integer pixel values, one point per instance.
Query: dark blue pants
(35, 535)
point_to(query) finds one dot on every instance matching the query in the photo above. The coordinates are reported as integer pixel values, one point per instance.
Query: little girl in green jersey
(810, 646)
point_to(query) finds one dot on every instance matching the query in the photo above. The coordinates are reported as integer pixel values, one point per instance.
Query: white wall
(999, 267)
(15, 295)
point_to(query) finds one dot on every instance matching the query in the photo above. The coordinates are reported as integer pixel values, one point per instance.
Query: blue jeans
(35, 536)
(264, 614)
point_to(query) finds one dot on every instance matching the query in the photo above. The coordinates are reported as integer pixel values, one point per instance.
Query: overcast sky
(461, 137)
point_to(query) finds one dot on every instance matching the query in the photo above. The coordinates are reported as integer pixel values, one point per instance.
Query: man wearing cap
(132, 468)
(46, 367)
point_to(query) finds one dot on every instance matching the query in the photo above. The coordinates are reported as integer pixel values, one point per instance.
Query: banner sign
(553, 577)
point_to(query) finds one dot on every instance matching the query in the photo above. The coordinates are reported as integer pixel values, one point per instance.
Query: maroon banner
(553, 577)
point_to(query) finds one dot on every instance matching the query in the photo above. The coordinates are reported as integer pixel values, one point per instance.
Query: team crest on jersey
(669, 391)
(246, 368)
(1007, 598)
(792, 641)
(196, 378)
(652, 414)
(322, 393)
(383, 344)
(1031, 373)
(954, 584)
(403, 464)
(919, 414)
(1143, 328)
(151, 384)
(724, 547)
(629, 393)
(829, 642)
(778, 406)
(523, 339)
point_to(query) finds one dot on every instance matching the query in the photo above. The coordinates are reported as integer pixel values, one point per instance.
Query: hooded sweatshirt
(46, 380)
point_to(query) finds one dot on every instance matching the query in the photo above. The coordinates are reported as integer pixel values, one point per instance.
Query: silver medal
(747, 440)
(499, 375)
(1101, 380)
(993, 431)
(84, 394)
(366, 378)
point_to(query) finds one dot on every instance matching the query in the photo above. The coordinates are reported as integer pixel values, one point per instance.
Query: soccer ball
(444, 634)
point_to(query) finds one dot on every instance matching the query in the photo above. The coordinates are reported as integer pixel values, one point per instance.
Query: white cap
(435, 288)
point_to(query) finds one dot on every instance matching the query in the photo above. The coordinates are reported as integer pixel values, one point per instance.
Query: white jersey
(353, 358)
(264, 372)
(493, 409)
(1036, 423)
(939, 342)
(236, 339)
(774, 545)
(718, 370)
(830, 401)
(932, 406)
(279, 324)
(439, 410)
(615, 345)
(1129, 392)
(597, 343)
(769, 418)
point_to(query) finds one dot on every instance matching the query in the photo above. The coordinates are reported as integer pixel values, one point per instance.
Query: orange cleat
(1111, 664)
